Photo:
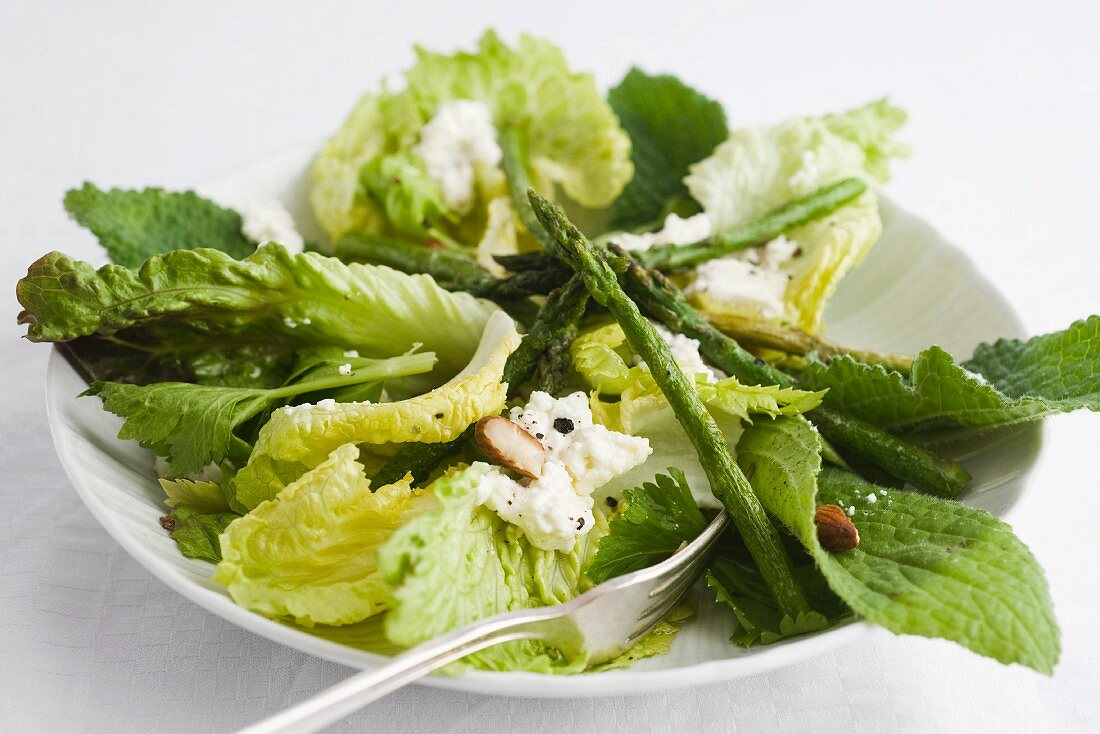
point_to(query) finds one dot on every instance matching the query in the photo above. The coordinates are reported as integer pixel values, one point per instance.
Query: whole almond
(835, 530)
(506, 444)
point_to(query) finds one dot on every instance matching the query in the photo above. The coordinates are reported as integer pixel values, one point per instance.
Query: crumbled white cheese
(805, 179)
(459, 138)
(326, 404)
(872, 498)
(351, 354)
(851, 510)
(210, 473)
(676, 231)
(555, 509)
(290, 323)
(742, 284)
(271, 222)
(685, 351)
(256, 371)
(344, 369)
(773, 255)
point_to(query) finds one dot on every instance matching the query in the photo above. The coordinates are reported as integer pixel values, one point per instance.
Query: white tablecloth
(1005, 107)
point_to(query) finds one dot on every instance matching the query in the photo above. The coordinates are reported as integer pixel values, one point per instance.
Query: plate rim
(503, 683)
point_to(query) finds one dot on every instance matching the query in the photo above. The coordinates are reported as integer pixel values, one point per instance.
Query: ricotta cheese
(556, 509)
(675, 231)
(459, 137)
(752, 280)
(271, 222)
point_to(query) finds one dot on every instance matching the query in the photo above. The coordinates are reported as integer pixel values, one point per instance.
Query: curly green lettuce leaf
(655, 520)
(461, 563)
(194, 425)
(671, 126)
(298, 438)
(135, 225)
(924, 565)
(760, 169)
(197, 299)
(1009, 381)
(574, 138)
(310, 554)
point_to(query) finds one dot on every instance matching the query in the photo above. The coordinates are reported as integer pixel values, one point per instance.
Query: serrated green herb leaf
(924, 566)
(656, 519)
(135, 225)
(671, 126)
(1009, 381)
(196, 534)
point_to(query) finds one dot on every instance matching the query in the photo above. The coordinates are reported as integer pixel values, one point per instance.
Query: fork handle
(332, 704)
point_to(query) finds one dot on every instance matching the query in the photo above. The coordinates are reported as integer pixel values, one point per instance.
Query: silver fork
(604, 622)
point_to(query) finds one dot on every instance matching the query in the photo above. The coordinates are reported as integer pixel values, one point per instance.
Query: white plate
(913, 290)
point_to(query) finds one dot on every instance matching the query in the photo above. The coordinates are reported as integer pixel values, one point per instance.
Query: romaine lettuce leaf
(135, 225)
(461, 563)
(298, 438)
(309, 554)
(759, 169)
(671, 126)
(201, 298)
(924, 565)
(412, 202)
(1006, 382)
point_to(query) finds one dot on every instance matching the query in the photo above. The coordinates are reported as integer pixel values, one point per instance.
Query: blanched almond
(835, 530)
(506, 444)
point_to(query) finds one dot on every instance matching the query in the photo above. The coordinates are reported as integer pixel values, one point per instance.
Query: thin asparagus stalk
(753, 333)
(727, 481)
(450, 270)
(818, 204)
(902, 459)
(513, 146)
(555, 325)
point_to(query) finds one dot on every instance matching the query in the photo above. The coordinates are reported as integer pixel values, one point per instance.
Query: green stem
(513, 146)
(408, 364)
(818, 204)
(451, 270)
(902, 459)
(727, 481)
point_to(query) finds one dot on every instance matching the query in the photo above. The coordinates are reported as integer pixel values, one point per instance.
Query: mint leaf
(135, 225)
(1009, 381)
(194, 425)
(671, 126)
(656, 519)
(924, 566)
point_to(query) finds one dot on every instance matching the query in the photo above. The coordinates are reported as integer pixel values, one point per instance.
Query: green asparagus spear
(818, 204)
(726, 480)
(513, 146)
(451, 270)
(755, 333)
(902, 459)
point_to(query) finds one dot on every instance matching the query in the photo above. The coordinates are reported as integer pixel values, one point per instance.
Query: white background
(1005, 107)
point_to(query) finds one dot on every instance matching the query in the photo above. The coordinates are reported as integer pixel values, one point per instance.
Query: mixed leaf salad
(549, 332)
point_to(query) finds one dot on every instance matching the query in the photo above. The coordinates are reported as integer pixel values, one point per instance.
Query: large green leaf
(310, 554)
(671, 126)
(1009, 381)
(924, 566)
(135, 225)
(205, 298)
